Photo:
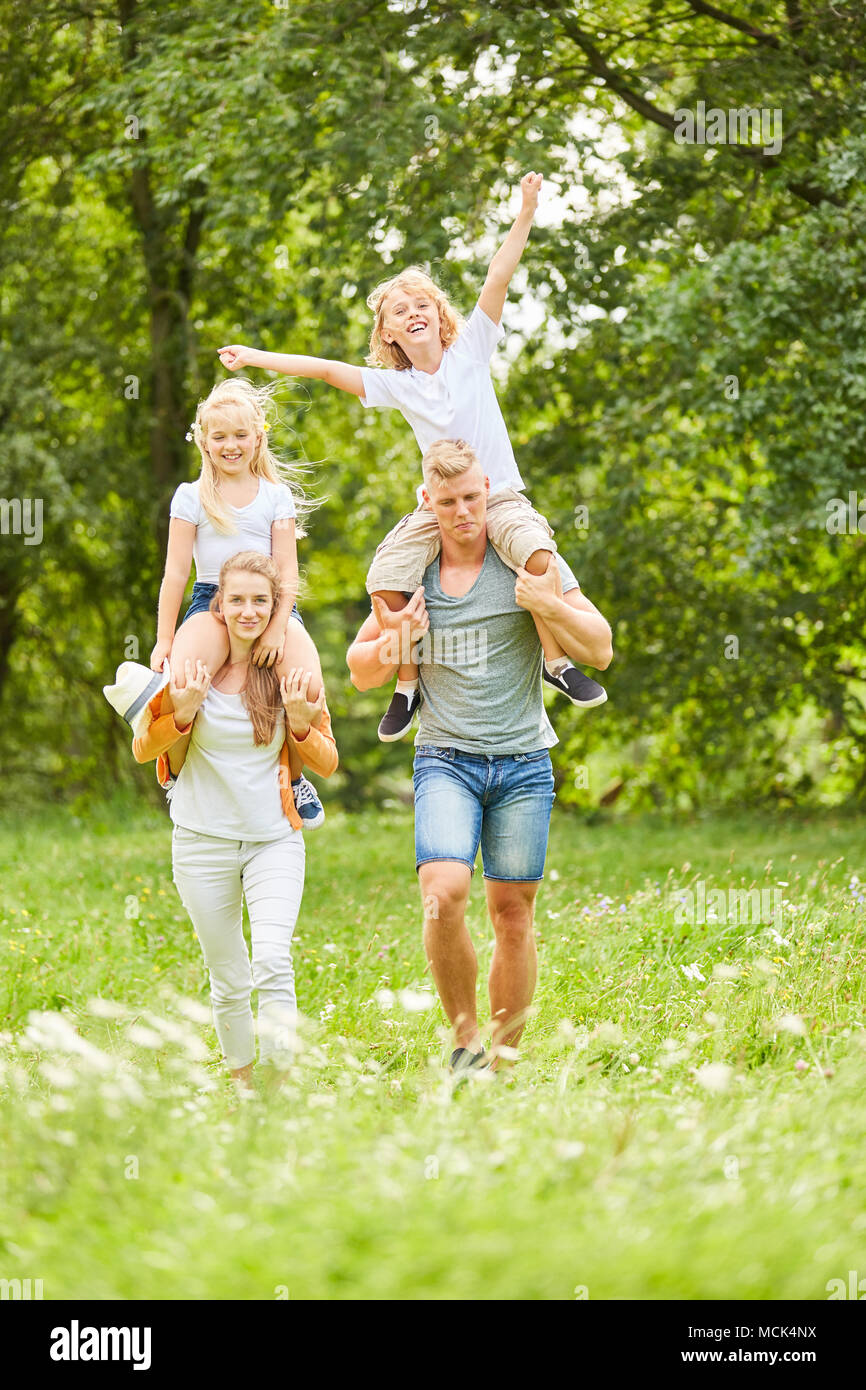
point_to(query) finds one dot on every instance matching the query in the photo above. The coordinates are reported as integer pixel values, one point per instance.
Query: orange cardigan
(318, 749)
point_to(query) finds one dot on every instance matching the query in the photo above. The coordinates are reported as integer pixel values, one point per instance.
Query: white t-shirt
(273, 502)
(455, 402)
(228, 785)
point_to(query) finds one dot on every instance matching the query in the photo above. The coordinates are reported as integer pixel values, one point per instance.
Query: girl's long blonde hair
(261, 693)
(256, 404)
(384, 354)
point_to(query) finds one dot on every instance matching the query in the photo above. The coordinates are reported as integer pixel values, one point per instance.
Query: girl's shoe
(398, 720)
(580, 689)
(307, 804)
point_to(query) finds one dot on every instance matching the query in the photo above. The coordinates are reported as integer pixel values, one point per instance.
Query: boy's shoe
(398, 720)
(580, 689)
(307, 804)
(464, 1060)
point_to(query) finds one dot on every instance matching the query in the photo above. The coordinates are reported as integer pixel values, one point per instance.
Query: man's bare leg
(448, 946)
(514, 968)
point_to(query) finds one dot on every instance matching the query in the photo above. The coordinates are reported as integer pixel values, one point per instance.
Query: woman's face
(246, 602)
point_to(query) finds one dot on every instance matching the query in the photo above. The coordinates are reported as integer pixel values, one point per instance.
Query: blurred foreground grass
(686, 1120)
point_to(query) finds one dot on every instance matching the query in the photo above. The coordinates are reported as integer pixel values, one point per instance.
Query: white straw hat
(134, 686)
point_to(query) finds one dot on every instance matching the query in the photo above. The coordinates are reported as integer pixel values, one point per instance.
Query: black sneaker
(464, 1060)
(580, 689)
(398, 720)
(307, 804)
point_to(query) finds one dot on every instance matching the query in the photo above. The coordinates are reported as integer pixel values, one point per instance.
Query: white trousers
(213, 877)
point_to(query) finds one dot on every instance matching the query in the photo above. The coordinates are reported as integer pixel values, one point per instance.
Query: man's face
(460, 504)
(410, 319)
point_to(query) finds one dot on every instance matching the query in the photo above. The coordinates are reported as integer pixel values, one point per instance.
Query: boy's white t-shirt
(273, 502)
(229, 786)
(455, 402)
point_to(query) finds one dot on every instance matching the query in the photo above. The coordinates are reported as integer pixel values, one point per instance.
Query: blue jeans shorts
(501, 802)
(201, 598)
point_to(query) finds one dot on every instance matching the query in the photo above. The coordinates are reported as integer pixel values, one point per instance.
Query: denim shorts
(201, 599)
(501, 802)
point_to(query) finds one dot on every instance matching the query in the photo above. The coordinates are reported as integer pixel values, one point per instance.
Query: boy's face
(410, 319)
(460, 504)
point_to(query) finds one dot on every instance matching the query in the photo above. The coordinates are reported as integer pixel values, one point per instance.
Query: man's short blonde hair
(447, 458)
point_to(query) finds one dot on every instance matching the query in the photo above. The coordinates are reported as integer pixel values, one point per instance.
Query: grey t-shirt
(480, 666)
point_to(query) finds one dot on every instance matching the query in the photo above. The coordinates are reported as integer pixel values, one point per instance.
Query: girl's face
(246, 602)
(410, 318)
(231, 440)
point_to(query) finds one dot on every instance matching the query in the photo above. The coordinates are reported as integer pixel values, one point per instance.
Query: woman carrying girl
(228, 741)
(241, 501)
(434, 368)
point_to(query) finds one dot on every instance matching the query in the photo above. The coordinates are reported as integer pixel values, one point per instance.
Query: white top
(228, 785)
(455, 402)
(273, 502)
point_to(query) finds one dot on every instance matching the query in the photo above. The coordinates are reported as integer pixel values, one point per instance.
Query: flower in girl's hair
(266, 426)
(189, 434)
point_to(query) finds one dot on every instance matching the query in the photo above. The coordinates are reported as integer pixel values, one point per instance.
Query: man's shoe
(397, 722)
(307, 804)
(464, 1060)
(580, 689)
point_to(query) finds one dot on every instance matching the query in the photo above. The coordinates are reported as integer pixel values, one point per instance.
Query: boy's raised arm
(340, 374)
(507, 258)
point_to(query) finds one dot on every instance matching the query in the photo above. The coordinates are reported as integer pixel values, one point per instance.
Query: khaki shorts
(514, 528)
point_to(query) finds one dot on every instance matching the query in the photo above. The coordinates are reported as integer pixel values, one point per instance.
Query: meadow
(685, 1119)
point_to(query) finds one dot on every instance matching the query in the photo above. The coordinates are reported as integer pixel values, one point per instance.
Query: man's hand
(538, 592)
(530, 187)
(236, 356)
(188, 700)
(402, 628)
(300, 712)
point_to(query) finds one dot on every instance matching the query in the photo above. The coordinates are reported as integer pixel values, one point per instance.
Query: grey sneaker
(581, 690)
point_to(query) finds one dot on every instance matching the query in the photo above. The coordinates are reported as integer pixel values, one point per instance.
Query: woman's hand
(188, 699)
(300, 711)
(159, 656)
(236, 356)
(269, 647)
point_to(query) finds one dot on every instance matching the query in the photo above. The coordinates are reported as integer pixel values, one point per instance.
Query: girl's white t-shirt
(273, 502)
(228, 785)
(457, 401)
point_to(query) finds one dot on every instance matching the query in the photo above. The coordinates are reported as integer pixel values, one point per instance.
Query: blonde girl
(241, 501)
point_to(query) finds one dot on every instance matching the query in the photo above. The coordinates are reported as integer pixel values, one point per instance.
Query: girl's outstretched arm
(507, 258)
(340, 374)
(178, 562)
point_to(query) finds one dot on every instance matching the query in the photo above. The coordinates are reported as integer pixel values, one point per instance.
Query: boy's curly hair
(414, 277)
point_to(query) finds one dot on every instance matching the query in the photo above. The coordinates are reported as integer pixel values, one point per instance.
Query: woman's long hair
(261, 694)
(255, 406)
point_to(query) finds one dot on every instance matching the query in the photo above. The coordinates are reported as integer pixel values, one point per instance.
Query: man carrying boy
(482, 769)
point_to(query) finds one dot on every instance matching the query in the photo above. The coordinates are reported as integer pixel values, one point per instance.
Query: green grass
(610, 1160)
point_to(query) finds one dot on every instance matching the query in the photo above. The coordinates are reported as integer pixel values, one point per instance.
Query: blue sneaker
(307, 804)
